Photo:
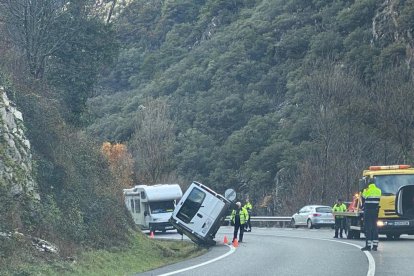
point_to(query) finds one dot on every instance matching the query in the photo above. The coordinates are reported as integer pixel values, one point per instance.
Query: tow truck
(390, 223)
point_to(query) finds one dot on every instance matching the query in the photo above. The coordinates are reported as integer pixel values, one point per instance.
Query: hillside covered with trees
(286, 101)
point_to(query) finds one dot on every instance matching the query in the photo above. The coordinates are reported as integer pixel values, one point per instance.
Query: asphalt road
(287, 251)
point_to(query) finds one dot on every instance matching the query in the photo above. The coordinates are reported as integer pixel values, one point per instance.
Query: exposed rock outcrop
(15, 156)
(386, 29)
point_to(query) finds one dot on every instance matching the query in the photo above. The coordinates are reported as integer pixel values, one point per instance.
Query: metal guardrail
(266, 218)
(275, 221)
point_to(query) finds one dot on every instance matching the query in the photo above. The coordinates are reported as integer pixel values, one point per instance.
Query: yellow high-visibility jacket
(244, 215)
(339, 208)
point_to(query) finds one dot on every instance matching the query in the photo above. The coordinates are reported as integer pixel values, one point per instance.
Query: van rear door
(211, 210)
(189, 211)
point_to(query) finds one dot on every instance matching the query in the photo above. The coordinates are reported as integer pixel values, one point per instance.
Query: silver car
(313, 216)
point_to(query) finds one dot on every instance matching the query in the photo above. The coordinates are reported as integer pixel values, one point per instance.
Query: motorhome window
(137, 206)
(132, 205)
(143, 195)
(191, 205)
(389, 184)
(158, 207)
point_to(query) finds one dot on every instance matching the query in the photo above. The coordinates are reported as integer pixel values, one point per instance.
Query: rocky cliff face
(387, 29)
(15, 156)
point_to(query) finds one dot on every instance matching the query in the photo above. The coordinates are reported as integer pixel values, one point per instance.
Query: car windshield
(323, 210)
(389, 184)
(161, 207)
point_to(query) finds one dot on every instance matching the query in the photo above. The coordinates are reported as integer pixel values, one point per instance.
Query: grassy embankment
(143, 254)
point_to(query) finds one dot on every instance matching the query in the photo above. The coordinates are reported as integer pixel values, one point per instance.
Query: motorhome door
(134, 203)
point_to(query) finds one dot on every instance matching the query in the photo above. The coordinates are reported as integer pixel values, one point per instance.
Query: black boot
(375, 248)
(366, 248)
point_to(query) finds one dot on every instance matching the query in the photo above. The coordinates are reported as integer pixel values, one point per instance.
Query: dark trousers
(247, 225)
(370, 224)
(238, 226)
(339, 226)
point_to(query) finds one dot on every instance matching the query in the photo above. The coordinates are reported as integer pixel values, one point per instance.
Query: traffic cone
(225, 240)
(235, 243)
(151, 234)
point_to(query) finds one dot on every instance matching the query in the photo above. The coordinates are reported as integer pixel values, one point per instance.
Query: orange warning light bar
(392, 167)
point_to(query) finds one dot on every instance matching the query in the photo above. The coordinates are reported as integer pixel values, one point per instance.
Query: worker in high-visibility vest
(372, 196)
(339, 220)
(239, 216)
(249, 207)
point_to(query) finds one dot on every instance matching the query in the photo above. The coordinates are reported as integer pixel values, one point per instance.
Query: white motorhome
(200, 213)
(151, 206)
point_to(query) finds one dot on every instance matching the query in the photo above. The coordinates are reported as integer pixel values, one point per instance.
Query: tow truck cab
(390, 179)
(200, 213)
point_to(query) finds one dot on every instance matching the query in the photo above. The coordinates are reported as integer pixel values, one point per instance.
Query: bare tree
(392, 99)
(31, 26)
(152, 141)
(324, 90)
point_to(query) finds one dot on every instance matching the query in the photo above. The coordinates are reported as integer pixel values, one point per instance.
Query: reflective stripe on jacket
(244, 215)
(372, 196)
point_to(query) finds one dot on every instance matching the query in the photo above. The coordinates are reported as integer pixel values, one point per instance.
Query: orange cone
(225, 240)
(235, 243)
(152, 235)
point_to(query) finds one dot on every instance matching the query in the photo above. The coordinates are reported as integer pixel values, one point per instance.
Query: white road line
(371, 261)
(231, 251)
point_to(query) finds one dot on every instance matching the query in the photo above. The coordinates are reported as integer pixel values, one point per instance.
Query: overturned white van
(200, 213)
(151, 206)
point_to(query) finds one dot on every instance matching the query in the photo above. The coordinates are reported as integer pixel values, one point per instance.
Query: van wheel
(309, 224)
